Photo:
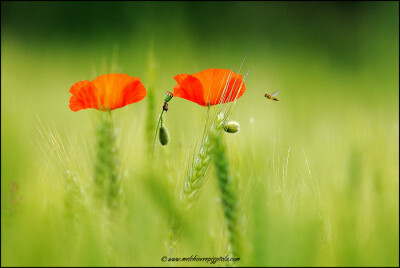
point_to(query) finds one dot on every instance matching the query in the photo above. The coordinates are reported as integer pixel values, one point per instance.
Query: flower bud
(163, 136)
(232, 127)
(168, 96)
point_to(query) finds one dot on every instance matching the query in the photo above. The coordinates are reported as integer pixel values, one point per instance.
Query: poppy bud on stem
(168, 96)
(163, 135)
(163, 132)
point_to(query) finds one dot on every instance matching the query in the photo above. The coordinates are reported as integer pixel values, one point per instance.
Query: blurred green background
(318, 171)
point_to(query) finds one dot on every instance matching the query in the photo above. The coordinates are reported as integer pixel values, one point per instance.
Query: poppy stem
(111, 120)
(157, 127)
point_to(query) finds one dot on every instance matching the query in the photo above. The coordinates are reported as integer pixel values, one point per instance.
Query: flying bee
(272, 96)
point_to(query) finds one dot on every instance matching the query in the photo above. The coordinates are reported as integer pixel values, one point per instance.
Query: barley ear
(228, 191)
(106, 175)
(196, 174)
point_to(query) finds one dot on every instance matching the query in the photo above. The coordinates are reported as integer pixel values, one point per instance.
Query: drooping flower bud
(168, 96)
(163, 136)
(232, 127)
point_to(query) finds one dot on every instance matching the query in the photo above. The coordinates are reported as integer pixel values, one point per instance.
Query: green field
(317, 173)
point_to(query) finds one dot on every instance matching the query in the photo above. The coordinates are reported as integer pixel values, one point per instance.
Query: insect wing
(275, 93)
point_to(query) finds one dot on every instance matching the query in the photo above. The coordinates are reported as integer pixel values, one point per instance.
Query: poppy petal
(180, 77)
(83, 95)
(236, 88)
(190, 88)
(210, 87)
(75, 104)
(134, 92)
(215, 85)
(118, 90)
(106, 92)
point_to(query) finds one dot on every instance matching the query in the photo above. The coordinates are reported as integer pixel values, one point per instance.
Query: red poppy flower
(106, 92)
(210, 87)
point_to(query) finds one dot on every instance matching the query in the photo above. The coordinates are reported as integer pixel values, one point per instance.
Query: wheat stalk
(197, 172)
(106, 175)
(51, 146)
(230, 202)
(151, 102)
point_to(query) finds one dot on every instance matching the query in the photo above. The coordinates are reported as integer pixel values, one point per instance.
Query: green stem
(111, 120)
(229, 197)
(106, 174)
